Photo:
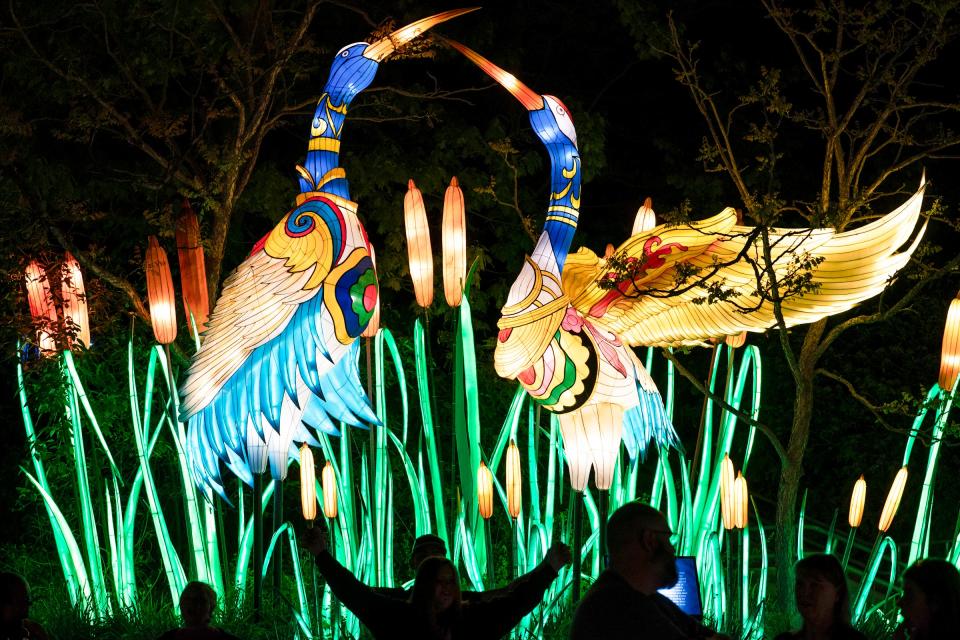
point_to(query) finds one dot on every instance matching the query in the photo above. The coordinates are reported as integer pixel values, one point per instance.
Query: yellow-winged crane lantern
(570, 318)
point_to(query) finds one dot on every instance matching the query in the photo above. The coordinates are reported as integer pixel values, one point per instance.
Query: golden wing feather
(654, 310)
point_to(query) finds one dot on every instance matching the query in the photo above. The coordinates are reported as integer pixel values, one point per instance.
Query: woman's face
(915, 608)
(816, 598)
(446, 590)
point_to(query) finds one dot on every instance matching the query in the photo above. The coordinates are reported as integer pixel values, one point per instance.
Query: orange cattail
(418, 245)
(308, 484)
(42, 311)
(193, 269)
(950, 353)
(857, 501)
(892, 503)
(328, 482)
(454, 244)
(163, 310)
(485, 491)
(741, 500)
(514, 486)
(75, 299)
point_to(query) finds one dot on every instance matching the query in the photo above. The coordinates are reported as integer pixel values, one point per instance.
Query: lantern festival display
(573, 313)
(741, 502)
(286, 323)
(645, 219)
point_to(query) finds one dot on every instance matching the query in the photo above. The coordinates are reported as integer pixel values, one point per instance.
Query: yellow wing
(654, 310)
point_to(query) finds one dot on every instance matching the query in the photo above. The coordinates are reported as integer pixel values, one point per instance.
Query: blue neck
(350, 74)
(323, 150)
(563, 211)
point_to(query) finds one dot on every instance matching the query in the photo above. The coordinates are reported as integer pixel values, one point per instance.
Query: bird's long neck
(323, 150)
(564, 208)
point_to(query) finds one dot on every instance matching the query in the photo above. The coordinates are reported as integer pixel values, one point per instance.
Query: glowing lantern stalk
(454, 242)
(727, 498)
(75, 299)
(950, 353)
(163, 309)
(42, 310)
(514, 486)
(418, 245)
(741, 502)
(193, 269)
(892, 503)
(308, 485)
(857, 501)
(485, 491)
(328, 481)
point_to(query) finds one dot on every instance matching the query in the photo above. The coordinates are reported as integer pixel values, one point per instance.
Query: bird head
(551, 120)
(356, 64)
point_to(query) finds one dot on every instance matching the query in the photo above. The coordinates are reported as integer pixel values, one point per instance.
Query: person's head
(823, 598)
(197, 602)
(931, 599)
(638, 540)
(436, 591)
(426, 546)
(14, 598)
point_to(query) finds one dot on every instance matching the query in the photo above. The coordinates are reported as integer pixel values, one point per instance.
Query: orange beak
(529, 99)
(385, 47)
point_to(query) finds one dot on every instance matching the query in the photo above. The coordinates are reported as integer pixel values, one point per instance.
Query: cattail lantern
(857, 501)
(419, 253)
(454, 242)
(727, 497)
(163, 310)
(950, 353)
(75, 299)
(328, 482)
(42, 311)
(308, 485)
(485, 491)
(193, 268)
(741, 502)
(737, 340)
(514, 486)
(892, 503)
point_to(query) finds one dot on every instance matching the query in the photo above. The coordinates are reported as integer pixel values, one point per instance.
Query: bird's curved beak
(529, 99)
(385, 47)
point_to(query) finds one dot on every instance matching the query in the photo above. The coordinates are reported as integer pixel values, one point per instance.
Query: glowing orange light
(419, 253)
(163, 310)
(454, 244)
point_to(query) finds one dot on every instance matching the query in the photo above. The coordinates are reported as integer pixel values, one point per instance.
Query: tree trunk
(792, 470)
(217, 244)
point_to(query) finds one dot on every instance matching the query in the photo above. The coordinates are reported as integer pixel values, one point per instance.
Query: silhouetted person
(197, 604)
(623, 603)
(930, 603)
(435, 608)
(15, 609)
(431, 546)
(823, 601)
